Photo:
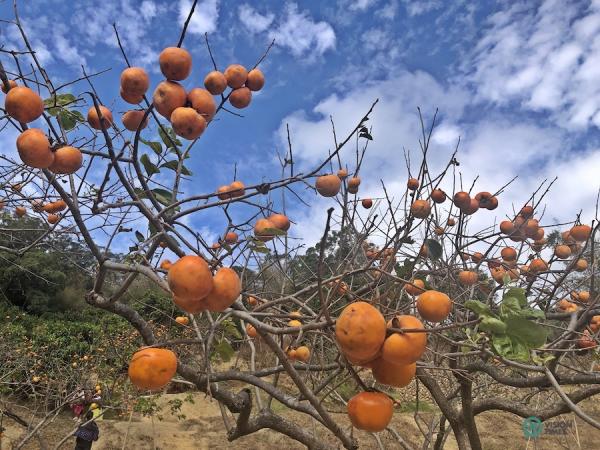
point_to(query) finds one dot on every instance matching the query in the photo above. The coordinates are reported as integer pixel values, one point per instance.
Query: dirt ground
(203, 428)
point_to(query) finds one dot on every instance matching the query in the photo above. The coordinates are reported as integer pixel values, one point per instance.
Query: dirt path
(203, 428)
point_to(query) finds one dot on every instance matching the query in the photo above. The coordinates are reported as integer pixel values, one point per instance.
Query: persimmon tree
(398, 288)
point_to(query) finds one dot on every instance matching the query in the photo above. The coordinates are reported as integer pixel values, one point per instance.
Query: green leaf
(148, 166)
(260, 249)
(155, 146)
(492, 325)
(139, 236)
(519, 294)
(532, 313)
(502, 344)
(224, 350)
(67, 119)
(169, 138)
(274, 232)
(510, 307)
(59, 100)
(530, 333)
(163, 196)
(230, 329)
(479, 308)
(434, 248)
(173, 166)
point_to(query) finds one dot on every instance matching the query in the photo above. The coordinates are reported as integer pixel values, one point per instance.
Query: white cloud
(416, 8)
(495, 147)
(253, 20)
(361, 5)
(205, 15)
(298, 32)
(389, 10)
(545, 59)
(148, 9)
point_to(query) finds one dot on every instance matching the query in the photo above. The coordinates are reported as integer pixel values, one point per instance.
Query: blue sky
(519, 82)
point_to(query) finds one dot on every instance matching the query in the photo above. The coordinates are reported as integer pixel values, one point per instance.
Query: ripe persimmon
(152, 368)
(477, 257)
(182, 320)
(260, 229)
(227, 287)
(370, 411)
(353, 184)
(167, 96)
(240, 98)
(166, 264)
(417, 287)
(132, 120)
(438, 196)
(251, 331)
(392, 374)
(187, 123)
(131, 98)
(203, 102)
(303, 353)
(526, 211)
(328, 185)
(189, 305)
(467, 277)
(342, 174)
(94, 119)
(34, 149)
(231, 237)
(538, 265)
(562, 251)
(451, 222)
(280, 221)
(360, 331)
(135, 81)
(237, 189)
(367, 203)
(471, 208)
(580, 233)
(404, 348)
(255, 80)
(215, 82)
(412, 184)
(581, 265)
(420, 209)
(20, 211)
(462, 199)
(223, 193)
(175, 63)
(507, 227)
(508, 254)
(236, 76)
(67, 160)
(53, 218)
(190, 278)
(434, 306)
(23, 104)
